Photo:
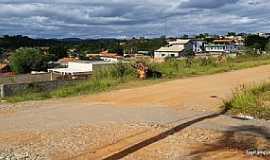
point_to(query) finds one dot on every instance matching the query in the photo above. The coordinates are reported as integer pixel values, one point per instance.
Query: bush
(25, 60)
(251, 101)
(116, 71)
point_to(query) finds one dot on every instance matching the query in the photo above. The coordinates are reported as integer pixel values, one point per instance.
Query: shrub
(25, 60)
(251, 101)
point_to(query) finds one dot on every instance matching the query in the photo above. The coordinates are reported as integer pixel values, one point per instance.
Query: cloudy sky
(128, 18)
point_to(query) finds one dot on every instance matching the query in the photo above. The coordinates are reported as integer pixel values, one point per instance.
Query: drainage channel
(131, 149)
(141, 140)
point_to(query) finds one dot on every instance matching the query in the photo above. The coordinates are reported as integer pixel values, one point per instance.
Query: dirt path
(65, 128)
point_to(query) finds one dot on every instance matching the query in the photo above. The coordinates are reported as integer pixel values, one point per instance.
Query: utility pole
(166, 26)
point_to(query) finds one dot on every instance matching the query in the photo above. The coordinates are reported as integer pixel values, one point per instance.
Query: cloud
(207, 4)
(121, 18)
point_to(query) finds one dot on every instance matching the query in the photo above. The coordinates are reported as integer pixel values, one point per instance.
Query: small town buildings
(177, 48)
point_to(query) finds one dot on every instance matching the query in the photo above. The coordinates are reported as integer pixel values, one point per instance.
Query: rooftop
(173, 48)
(179, 41)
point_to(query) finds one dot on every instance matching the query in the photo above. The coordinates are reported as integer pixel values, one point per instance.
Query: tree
(58, 51)
(231, 34)
(1, 51)
(267, 47)
(25, 60)
(256, 42)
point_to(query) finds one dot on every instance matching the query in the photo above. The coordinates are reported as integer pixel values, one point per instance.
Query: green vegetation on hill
(123, 73)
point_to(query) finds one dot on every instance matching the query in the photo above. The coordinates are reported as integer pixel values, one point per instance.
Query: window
(163, 55)
(172, 55)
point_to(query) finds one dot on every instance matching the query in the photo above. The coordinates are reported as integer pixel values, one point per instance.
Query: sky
(131, 18)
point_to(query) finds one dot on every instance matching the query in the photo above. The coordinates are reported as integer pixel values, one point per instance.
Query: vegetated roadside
(253, 102)
(124, 75)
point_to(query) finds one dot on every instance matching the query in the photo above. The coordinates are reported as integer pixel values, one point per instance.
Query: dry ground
(95, 126)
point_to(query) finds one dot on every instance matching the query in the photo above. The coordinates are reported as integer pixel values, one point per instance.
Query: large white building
(177, 48)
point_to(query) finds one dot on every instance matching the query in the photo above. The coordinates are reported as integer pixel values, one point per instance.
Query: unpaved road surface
(100, 126)
(205, 92)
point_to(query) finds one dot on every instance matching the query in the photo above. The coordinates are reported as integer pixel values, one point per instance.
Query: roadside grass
(253, 102)
(123, 75)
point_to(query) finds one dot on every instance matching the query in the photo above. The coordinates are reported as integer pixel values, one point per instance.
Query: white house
(176, 48)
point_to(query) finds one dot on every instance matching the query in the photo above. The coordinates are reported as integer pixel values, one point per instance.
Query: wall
(27, 78)
(8, 90)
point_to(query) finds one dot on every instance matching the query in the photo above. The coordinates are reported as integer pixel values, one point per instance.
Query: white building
(176, 48)
(79, 68)
(265, 35)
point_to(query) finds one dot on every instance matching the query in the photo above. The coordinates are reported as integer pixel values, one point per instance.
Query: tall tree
(25, 60)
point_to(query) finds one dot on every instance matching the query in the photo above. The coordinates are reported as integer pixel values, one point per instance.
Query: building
(198, 46)
(110, 57)
(265, 35)
(78, 69)
(177, 48)
(220, 46)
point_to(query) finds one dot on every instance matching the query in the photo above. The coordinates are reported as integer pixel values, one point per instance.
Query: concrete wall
(7, 90)
(27, 78)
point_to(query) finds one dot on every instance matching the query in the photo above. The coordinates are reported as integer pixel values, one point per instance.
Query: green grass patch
(251, 101)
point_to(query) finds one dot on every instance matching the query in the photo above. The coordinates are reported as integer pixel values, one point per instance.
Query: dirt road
(88, 127)
(207, 92)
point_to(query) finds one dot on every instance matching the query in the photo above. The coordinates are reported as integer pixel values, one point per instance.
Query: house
(110, 57)
(177, 48)
(220, 46)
